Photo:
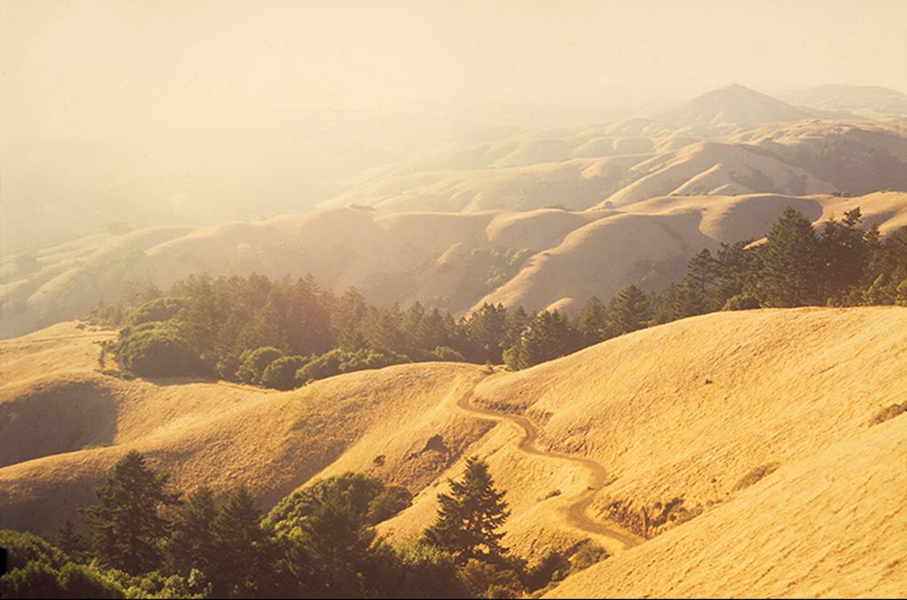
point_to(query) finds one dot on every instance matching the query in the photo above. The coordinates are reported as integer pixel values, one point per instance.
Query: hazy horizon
(174, 113)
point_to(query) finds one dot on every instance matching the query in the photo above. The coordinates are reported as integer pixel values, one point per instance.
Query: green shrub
(156, 349)
(340, 361)
(388, 504)
(742, 302)
(39, 580)
(252, 363)
(159, 309)
(350, 491)
(281, 373)
(488, 580)
(447, 354)
(24, 547)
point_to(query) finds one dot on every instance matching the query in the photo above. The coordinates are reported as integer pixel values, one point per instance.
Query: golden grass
(792, 389)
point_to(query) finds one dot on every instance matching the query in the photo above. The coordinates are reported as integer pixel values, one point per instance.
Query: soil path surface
(577, 512)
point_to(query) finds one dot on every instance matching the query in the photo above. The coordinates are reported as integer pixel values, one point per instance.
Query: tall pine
(127, 524)
(471, 516)
(792, 265)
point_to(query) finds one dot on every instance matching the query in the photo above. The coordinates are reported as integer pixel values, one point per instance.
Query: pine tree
(72, 542)
(127, 525)
(191, 544)
(845, 254)
(592, 323)
(547, 336)
(470, 518)
(793, 266)
(630, 310)
(241, 548)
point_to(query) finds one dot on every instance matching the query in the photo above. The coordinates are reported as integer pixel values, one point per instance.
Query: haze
(192, 112)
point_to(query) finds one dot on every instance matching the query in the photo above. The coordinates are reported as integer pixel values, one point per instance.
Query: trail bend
(577, 511)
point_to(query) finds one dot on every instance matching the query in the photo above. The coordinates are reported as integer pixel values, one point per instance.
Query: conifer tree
(127, 525)
(792, 262)
(470, 517)
(241, 548)
(191, 545)
(630, 310)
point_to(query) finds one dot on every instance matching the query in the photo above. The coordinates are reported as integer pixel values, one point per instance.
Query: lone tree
(469, 519)
(126, 524)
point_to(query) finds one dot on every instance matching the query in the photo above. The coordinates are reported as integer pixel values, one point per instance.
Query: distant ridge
(731, 105)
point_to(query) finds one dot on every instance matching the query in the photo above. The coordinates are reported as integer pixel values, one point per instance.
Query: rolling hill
(729, 454)
(453, 261)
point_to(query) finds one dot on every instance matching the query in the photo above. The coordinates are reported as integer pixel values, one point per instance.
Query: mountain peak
(733, 104)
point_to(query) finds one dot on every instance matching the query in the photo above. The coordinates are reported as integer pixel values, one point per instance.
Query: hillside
(514, 215)
(734, 105)
(866, 100)
(669, 425)
(453, 261)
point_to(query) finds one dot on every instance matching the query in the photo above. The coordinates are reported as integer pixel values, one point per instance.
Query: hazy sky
(92, 68)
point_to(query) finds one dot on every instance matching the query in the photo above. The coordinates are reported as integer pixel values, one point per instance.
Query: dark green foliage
(126, 523)
(241, 549)
(551, 568)
(159, 309)
(742, 302)
(629, 311)
(792, 262)
(388, 503)
(484, 579)
(593, 324)
(548, 335)
(470, 517)
(40, 580)
(333, 542)
(206, 326)
(156, 349)
(71, 541)
(447, 354)
(252, 363)
(426, 571)
(340, 361)
(281, 373)
(192, 540)
(352, 491)
(23, 548)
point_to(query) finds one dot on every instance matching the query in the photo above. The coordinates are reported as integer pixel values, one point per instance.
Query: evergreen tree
(630, 310)
(486, 329)
(592, 323)
(241, 549)
(470, 518)
(845, 254)
(191, 545)
(72, 542)
(127, 525)
(547, 336)
(792, 267)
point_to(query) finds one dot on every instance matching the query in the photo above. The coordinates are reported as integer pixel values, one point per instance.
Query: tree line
(285, 333)
(143, 539)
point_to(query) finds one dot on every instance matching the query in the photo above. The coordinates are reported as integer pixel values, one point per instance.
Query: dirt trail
(577, 511)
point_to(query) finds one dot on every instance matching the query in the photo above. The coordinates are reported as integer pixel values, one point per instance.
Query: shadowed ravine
(577, 512)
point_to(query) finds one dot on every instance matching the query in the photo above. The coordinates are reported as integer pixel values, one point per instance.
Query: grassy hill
(729, 454)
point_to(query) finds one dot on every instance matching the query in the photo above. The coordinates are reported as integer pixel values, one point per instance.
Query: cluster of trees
(283, 334)
(145, 540)
(843, 264)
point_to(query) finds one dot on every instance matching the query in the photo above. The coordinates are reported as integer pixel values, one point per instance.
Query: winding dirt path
(577, 512)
